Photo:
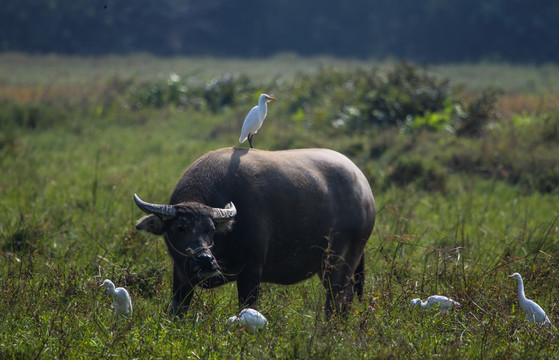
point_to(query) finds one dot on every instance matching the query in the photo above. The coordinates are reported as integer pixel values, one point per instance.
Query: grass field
(77, 151)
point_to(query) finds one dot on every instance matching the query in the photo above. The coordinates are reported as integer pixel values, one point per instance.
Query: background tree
(433, 31)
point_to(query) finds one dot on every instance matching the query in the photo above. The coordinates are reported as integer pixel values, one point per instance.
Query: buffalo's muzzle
(204, 265)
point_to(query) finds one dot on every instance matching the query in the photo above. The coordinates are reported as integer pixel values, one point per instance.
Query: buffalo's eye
(182, 228)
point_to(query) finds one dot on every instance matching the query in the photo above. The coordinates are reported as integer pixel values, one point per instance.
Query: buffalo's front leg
(248, 285)
(182, 294)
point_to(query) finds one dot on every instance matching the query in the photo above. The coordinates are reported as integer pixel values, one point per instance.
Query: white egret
(534, 312)
(121, 299)
(255, 118)
(442, 302)
(250, 318)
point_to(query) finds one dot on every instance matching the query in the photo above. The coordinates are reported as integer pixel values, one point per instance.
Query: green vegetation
(466, 183)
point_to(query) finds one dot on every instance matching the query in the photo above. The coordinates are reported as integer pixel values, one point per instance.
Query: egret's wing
(250, 125)
(539, 314)
(436, 300)
(253, 319)
(530, 308)
(123, 297)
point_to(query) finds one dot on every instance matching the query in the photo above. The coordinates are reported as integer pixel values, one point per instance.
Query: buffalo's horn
(156, 209)
(228, 212)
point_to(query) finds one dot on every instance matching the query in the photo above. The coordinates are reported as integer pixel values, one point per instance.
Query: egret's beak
(101, 285)
(511, 275)
(270, 98)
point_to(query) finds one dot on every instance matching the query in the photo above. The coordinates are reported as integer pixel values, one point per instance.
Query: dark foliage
(415, 170)
(406, 91)
(24, 237)
(363, 98)
(452, 30)
(31, 116)
(216, 95)
(477, 114)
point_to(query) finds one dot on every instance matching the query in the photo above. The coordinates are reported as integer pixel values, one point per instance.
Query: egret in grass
(121, 299)
(442, 302)
(250, 318)
(255, 118)
(534, 312)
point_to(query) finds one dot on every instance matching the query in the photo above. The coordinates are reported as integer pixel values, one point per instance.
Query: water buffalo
(255, 216)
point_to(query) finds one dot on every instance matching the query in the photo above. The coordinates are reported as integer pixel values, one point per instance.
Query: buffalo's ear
(223, 225)
(151, 223)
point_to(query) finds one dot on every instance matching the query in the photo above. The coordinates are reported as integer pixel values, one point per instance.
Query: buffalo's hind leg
(359, 278)
(339, 289)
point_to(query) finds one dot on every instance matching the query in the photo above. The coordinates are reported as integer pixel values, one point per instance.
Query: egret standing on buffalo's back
(255, 119)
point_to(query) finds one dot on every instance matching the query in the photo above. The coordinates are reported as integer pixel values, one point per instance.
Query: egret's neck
(112, 290)
(263, 108)
(423, 303)
(521, 294)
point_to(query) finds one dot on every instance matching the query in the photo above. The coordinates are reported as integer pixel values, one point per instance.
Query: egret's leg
(250, 140)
